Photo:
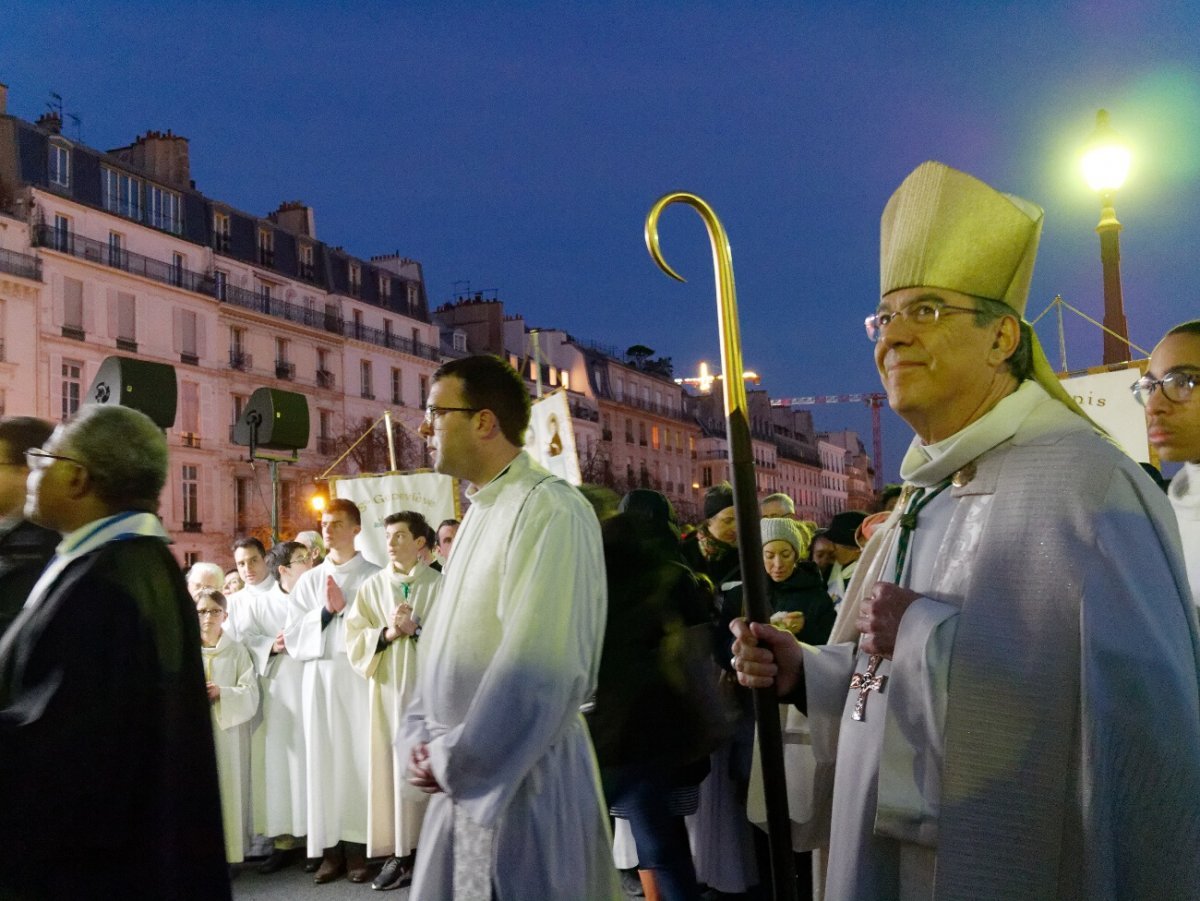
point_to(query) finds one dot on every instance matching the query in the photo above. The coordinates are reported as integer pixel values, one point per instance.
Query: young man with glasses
(505, 662)
(1013, 669)
(1169, 392)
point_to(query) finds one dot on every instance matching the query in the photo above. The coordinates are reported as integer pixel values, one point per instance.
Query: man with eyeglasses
(108, 781)
(1009, 699)
(277, 755)
(510, 653)
(1168, 392)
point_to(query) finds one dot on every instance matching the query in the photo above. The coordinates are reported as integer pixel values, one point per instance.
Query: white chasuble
(277, 740)
(229, 665)
(508, 655)
(336, 724)
(395, 809)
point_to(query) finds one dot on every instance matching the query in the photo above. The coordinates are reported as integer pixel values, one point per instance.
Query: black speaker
(280, 416)
(144, 386)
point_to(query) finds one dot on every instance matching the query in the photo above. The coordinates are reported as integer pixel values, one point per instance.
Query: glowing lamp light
(318, 503)
(1106, 159)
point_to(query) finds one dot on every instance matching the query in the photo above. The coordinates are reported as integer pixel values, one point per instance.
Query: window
(424, 391)
(460, 341)
(189, 413)
(266, 247)
(358, 324)
(221, 232)
(655, 438)
(385, 288)
(412, 296)
(325, 424)
(238, 358)
(121, 193)
(163, 209)
(61, 239)
(397, 387)
(60, 165)
(324, 373)
(387, 333)
(221, 284)
(264, 294)
(126, 321)
(178, 265)
(628, 430)
(191, 488)
(116, 248)
(239, 404)
(307, 270)
(72, 387)
(73, 308)
(355, 279)
(284, 367)
(241, 503)
(366, 377)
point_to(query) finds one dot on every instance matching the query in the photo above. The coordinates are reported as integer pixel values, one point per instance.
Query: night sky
(517, 147)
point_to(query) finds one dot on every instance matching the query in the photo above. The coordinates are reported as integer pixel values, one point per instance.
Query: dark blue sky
(519, 146)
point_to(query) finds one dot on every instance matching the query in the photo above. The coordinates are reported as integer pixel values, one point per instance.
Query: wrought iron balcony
(21, 264)
(100, 252)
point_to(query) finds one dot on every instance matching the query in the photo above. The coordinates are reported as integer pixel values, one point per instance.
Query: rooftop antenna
(78, 123)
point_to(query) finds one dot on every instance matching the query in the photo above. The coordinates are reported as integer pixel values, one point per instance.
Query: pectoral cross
(866, 682)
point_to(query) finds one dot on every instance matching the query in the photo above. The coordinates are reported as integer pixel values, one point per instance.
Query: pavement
(293, 884)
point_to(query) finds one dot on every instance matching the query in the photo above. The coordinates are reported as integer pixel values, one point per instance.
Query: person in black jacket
(25, 547)
(651, 757)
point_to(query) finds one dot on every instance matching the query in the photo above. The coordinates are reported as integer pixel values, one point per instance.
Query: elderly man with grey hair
(778, 506)
(204, 575)
(106, 752)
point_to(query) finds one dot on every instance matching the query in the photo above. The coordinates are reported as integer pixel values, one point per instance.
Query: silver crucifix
(865, 683)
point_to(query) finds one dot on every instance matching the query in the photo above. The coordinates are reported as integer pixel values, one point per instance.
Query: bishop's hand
(764, 656)
(879, 617)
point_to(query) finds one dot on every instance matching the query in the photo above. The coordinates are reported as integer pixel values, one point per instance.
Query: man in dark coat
(25, 547)
(107, 770)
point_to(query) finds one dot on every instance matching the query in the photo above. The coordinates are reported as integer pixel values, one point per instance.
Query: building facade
(117, 253)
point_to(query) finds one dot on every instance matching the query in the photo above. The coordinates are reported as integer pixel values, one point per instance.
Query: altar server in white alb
(336, 725)
(232, 688)
(505, 660)
(383, 627)
(1014, 670)
(1168, 391)
(257, 578)
(277, 758)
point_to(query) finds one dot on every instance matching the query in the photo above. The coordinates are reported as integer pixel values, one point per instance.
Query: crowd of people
(989, 687)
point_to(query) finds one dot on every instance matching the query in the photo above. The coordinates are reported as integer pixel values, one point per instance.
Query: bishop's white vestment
(395, 808)
(1038, 735)
(277, 758)
(509, 654)
(335, 706)
(228, 664)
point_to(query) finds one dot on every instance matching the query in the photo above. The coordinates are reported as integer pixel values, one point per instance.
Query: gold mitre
(945, 229)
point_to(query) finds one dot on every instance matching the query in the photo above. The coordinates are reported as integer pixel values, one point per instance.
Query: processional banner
(1104, 395)
(433, 495)
(550, 438)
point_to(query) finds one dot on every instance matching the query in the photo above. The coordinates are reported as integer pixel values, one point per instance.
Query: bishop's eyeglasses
(921, 314)
(1176, 387)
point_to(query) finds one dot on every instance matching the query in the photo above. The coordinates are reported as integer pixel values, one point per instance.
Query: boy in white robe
(334, 698)
(382, 629)
(232, 688)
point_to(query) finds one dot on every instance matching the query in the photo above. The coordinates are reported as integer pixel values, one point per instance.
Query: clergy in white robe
(1035, 733)
(277, 758)
(1169, 392)
(381, 641)
(336, 723)
(508, 656)
(257, 578)
(233, 702)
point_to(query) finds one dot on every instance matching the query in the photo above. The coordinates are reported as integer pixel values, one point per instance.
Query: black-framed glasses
(37, 458)
(1176, 387)
(298, 559)
(432, 413)
(921, 314)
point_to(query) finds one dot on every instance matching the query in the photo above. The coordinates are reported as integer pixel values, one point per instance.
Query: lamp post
(1105, 166)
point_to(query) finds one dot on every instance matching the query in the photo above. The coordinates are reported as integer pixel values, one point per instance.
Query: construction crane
(875, 401)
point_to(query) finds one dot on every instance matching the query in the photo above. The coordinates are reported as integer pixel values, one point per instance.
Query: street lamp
(1105, 166)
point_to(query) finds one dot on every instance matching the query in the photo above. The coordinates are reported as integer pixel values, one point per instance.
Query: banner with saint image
(433, 495)
(551, 437)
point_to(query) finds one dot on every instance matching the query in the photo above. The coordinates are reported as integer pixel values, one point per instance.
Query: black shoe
(393, 875)
(311, 864)
(279, 860)
(631, 883)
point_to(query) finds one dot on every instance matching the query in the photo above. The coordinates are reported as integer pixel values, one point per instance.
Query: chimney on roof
(296, 217)
(52, 122)
(162, 156)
